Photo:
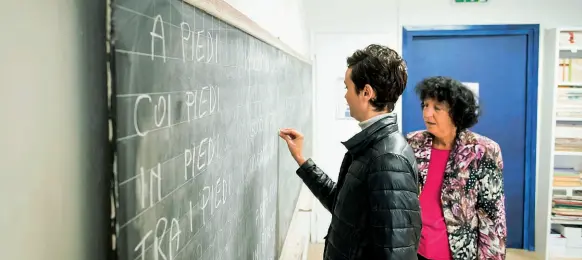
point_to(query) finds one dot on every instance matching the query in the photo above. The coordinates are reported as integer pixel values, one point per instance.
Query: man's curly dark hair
(464, 110)
(383, 69)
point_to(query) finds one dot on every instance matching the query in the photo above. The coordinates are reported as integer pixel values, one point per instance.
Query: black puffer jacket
(375, 207)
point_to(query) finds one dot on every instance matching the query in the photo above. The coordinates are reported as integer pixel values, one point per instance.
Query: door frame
(532, 33)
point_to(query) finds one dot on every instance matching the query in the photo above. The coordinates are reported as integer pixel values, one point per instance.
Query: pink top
(434, 242)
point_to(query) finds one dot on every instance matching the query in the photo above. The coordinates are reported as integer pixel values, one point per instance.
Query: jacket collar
(365, 124)
(465, 140)
(380, 128)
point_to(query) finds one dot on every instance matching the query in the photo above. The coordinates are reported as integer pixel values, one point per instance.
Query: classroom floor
(316, 253)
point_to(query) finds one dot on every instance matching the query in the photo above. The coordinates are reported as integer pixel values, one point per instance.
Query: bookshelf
(559, 182)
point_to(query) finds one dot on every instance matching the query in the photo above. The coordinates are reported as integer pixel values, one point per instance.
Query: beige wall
(53, 201)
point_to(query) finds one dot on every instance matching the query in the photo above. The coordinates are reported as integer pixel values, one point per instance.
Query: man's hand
(294, 140)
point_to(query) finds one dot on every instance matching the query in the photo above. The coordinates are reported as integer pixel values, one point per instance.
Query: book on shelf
(569, 101)
(564, 144)
(565, 218)
(567, 209)
(570, 69)
(567, 206)
(569, 114)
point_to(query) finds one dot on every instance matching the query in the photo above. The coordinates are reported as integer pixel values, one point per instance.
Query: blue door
(499, 65)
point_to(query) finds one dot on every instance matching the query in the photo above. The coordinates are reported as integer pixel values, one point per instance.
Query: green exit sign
(470, 1)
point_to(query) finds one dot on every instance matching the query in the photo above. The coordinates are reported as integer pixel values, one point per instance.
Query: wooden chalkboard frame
(222, 10)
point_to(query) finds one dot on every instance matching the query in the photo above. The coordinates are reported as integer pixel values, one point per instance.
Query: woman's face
(437, 118)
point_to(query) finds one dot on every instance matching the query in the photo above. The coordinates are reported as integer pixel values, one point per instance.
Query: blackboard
(196, 102)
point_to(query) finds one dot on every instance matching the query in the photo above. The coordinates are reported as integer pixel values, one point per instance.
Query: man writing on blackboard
(374, 205)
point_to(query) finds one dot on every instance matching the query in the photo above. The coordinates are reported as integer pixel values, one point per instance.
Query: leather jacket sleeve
(322, 187)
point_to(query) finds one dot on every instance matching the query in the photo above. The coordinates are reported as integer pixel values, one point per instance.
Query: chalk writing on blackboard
(197, 102)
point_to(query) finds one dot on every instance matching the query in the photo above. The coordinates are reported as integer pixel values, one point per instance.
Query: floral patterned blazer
(472, 195)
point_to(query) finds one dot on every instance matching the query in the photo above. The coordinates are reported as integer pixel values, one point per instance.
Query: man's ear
(369, 92)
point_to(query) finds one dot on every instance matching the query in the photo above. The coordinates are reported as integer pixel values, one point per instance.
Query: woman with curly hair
(460, 177)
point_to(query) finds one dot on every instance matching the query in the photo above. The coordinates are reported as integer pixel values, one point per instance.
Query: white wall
(53, 132)
(347, 18)
(285, 19)
(388, 15)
